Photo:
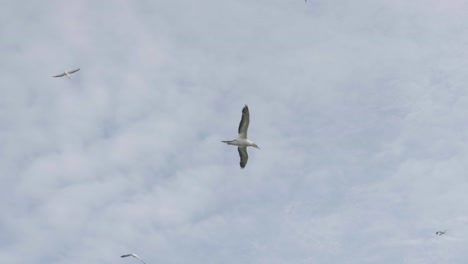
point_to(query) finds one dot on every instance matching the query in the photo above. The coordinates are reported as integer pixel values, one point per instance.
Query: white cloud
(358, 108)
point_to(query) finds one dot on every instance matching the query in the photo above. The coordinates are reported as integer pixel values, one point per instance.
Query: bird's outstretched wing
(140, 260)
(244, 157)
(244, 123)
(133, 255)
(74, 71)
(60, 75)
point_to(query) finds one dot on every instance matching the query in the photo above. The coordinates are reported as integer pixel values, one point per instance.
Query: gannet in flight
(439, 233)
(241, 141)
(66, 73)
(132, 255)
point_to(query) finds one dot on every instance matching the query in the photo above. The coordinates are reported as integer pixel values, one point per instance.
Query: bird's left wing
(60, 75)
(74, 70)
(244, 157)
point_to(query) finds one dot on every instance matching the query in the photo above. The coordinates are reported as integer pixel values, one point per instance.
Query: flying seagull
(132, 255)
(66, 73)
(241, 141)
(439, 233)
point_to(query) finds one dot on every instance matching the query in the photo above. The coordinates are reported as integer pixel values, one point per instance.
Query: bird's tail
(229, 142)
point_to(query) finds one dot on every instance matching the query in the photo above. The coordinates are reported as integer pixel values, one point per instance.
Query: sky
(359, 108)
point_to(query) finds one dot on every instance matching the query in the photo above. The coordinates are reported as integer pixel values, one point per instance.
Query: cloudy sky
(360, 108)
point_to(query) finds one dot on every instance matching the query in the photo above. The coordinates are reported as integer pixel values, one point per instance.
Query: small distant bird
(66, 73)
(439, 233)
(132, 255)
(242, 142)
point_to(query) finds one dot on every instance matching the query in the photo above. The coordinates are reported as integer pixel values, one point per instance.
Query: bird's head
(255, 146)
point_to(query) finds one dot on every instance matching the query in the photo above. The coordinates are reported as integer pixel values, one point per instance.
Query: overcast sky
(360, 109)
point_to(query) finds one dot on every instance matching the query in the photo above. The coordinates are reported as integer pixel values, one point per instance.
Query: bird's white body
(241, 142)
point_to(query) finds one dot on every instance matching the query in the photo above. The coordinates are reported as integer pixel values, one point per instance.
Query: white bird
(66, 73)
(132, 255)
(439, 233)
(241, 141)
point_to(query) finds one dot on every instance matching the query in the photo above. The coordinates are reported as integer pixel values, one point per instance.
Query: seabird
(241, 141)
(132, 255)
(66, 73)
(439, 233)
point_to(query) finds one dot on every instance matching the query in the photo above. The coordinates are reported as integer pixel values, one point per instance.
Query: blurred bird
(132, 255)
(66, 73)
(439, 233)
(242, 142)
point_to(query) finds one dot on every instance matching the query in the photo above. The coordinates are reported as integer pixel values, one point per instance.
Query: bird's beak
(258, 147)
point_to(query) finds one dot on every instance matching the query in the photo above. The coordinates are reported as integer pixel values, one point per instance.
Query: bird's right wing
(244, 157)
(74, 71)
(141, 260)
(60, 75)
(244, 123)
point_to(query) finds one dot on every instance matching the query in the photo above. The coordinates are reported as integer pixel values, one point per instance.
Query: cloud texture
(359, 108)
